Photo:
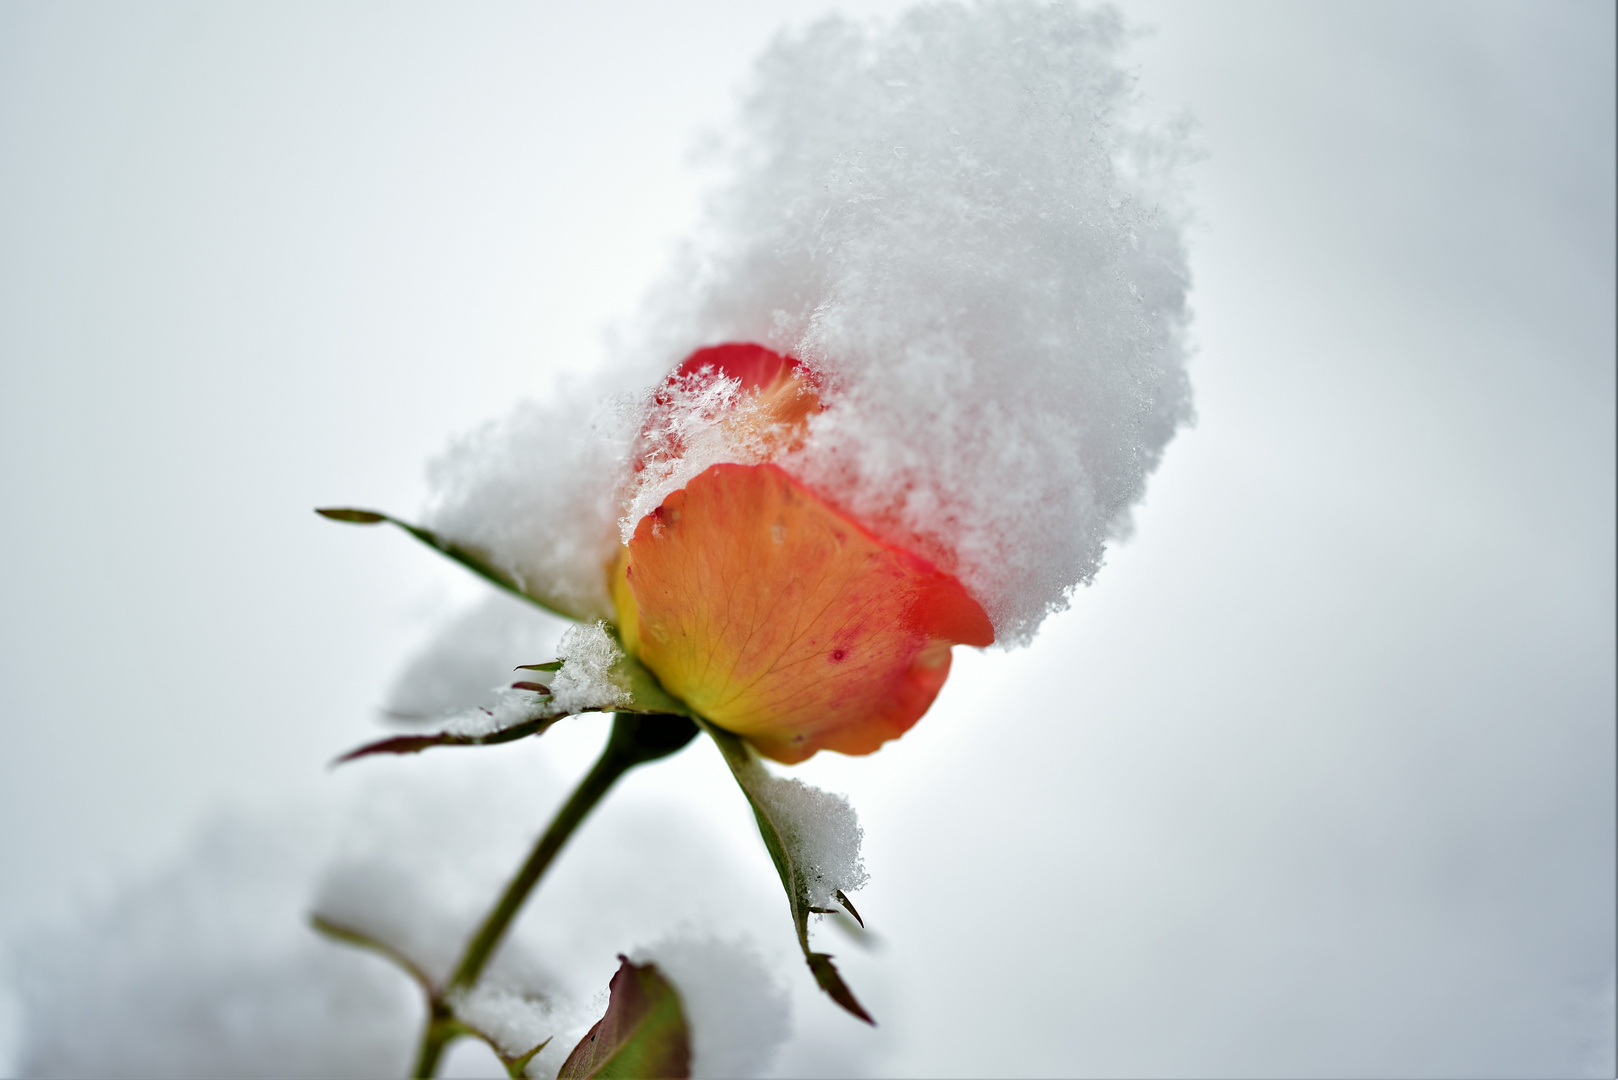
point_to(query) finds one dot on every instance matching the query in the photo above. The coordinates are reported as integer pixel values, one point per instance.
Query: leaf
(643, 1034)
(474, 560)
(518, 1066)
(359, 939)
(353, 517)
(752, 778)
(826, 975)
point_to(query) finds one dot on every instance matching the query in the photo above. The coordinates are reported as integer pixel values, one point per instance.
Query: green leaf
(361, 940)
(353, 517)
(753, 779)
(554, 665)
(470, 557)
(643, 1034)
(518, 1066)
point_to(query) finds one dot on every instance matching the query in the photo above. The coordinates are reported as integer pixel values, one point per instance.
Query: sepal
(633, 689)
(752, 778)
(474, 559)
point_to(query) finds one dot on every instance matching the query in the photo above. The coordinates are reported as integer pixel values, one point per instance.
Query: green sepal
(470, 557)
(751, 777)
(646, 696)
(361, 940)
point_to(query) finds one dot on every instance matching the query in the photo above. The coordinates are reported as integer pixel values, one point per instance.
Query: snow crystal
(953, 219)
(738, 1014)
(586, 680)
(823, 833)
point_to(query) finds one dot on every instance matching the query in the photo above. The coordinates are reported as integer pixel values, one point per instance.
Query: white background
(1317, 779)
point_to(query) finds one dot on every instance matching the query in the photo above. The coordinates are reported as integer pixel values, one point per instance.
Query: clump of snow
(515, 1021)
(822, 832)
(537, 493)
(456, 677)
(510, 708)
(211, 969)
(954, 219)
(586, 681)
(470, 658)
(738, 1014)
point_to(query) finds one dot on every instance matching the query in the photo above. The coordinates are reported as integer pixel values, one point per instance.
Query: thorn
(841, 899)
(538, 688)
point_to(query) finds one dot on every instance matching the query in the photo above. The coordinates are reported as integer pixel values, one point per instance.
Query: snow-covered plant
(898, 393)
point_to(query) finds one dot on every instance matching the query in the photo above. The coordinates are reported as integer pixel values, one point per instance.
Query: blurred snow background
(1317, 777)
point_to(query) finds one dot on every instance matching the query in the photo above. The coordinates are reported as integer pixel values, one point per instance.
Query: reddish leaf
(831, 982)
(643, 1035)
(415, 744)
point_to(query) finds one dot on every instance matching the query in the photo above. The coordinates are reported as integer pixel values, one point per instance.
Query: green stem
(608, 768)
(436, 1034)
(636, 739)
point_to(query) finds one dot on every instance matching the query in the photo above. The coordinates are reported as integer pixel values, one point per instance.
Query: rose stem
(636, 739)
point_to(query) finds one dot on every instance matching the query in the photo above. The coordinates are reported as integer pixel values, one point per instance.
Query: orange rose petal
(780, 620)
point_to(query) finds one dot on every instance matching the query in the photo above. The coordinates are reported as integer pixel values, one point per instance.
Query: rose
(764, 608)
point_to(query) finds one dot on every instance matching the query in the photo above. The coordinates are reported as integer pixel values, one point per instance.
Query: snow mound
(954, 221)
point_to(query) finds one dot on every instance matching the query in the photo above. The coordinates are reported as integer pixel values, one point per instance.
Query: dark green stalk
(439, 1031)
(636, 739)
